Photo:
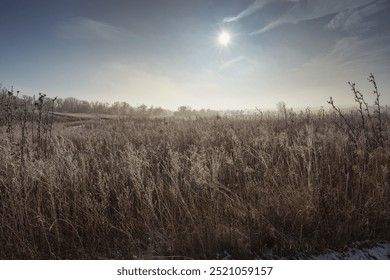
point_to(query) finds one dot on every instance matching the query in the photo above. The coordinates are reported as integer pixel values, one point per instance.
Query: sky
(166, 52)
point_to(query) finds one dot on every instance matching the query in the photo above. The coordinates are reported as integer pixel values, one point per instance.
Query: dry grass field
(281, 184)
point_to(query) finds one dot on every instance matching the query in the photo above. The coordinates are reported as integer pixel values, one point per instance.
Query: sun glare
(224, 38)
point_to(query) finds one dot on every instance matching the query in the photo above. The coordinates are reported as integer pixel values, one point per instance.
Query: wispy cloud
(254, 7)
(348, 12)
(82, 28)
(349, 55)
(350, 20)
(236, 60)
(229, 63)
(273, 25)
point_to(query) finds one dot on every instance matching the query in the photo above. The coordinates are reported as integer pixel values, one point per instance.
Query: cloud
(350, 12)
(350, 20)
(82, 28)
(229, 63)
(351, 55)
(273, 25)
(236, 60)
(254, 7)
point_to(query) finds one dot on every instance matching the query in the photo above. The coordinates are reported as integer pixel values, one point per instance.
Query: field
(281, 184)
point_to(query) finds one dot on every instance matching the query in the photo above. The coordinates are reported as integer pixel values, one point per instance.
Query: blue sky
(166, 53)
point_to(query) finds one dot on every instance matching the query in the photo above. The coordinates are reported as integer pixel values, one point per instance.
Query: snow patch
(381, 251)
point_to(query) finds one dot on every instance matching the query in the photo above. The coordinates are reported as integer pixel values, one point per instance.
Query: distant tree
(59, 105)
(158, 112)
(183, 112)
(124, 109)
(282, 109)
(115, 108)
(85, 107)
(141, 110)
(71, 105)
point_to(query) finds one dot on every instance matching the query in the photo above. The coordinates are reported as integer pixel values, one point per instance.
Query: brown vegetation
(146, 188)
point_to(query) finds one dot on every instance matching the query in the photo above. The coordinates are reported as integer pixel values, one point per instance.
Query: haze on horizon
(168, 53)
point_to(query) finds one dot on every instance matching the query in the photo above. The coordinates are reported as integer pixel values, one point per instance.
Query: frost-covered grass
(193, 189)
(286, 185)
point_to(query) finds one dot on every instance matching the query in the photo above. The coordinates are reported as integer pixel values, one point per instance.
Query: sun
(224, 38)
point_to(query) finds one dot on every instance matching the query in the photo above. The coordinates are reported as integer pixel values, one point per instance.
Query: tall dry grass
(195, 188)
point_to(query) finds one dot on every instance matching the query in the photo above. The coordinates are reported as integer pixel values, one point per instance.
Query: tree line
(74, 105)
